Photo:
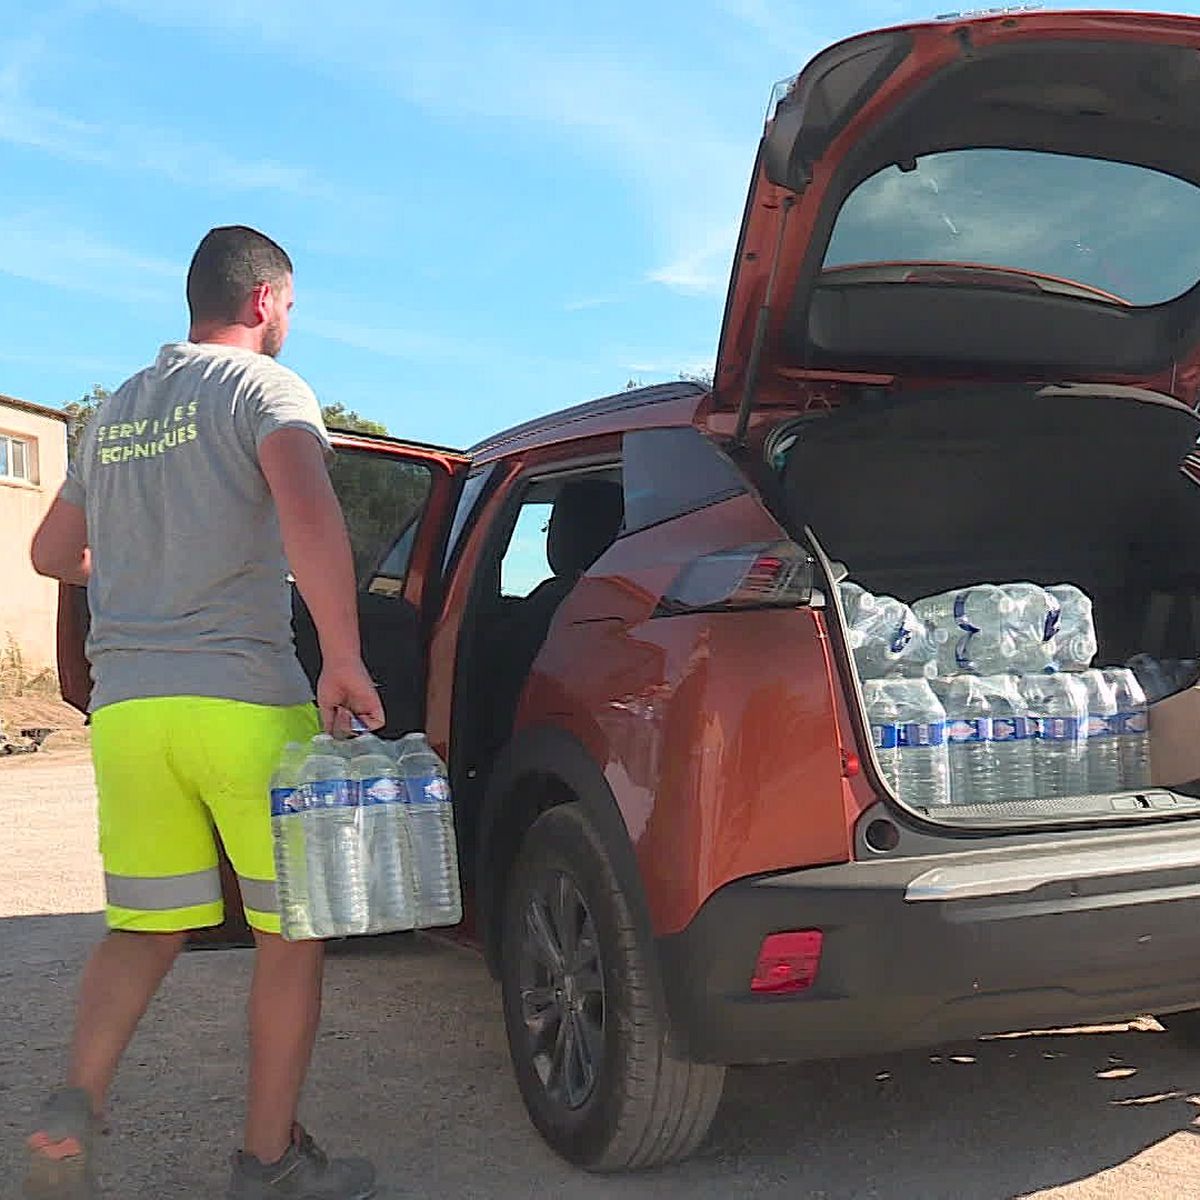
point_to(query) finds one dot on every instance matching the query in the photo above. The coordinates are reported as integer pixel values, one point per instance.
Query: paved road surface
(412, 1069)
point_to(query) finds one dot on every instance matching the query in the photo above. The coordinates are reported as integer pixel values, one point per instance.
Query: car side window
(382, 499)
(669, 472)
(525, 563)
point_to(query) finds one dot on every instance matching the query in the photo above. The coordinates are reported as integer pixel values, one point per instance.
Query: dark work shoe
(60, 1149)
(303, 1173)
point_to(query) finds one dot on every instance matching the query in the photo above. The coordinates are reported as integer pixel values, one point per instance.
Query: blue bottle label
(1011, 729)
(1061, 729)
(382, 790)
(916, 735)
(426, 789)
(1099, 727)
(1133, 724)
(885, 737)
(901, 638)
(330, 793)
(969, 732)
(286, 801)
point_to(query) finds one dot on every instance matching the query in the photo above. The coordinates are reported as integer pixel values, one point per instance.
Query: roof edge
(38, 410)
(656, 393)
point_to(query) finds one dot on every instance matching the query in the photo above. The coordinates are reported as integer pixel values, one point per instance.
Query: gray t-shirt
(189, 591)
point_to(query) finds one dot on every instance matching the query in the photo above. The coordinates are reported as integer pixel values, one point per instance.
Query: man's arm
(60, 546)
(318, 553)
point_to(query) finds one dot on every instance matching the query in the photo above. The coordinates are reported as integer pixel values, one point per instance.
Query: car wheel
(588, 1046)
(1184, 1027)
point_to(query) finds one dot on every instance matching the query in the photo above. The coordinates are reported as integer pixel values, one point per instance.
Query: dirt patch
(23, 712)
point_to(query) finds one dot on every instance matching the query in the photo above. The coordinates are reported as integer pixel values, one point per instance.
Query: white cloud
(44, 247)
(704, 267)
(121, 145)
(84, 364)
(587, 303)
(669, 138)
(142, 149)
(389, 341)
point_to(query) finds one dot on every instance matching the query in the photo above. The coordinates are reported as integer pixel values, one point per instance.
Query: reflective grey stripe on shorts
(163, 893)
(259, 895)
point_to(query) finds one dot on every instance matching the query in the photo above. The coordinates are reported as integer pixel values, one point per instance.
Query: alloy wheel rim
(562, 991)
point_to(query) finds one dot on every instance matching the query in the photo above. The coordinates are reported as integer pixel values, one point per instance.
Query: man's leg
(120, 980)
(161, 880)
(235, 748)
(285, 1010)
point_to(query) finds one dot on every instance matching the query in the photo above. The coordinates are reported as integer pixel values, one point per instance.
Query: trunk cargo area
(921, 492)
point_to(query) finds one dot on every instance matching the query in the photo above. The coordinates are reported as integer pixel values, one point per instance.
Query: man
(198, 484)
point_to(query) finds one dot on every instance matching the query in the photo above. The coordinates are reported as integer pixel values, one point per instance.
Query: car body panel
(716, 731)
(1084, 947)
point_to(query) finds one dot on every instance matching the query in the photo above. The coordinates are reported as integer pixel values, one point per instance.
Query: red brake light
(766, 575)
(788, 962)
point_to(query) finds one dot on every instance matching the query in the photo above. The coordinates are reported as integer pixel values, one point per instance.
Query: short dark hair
(230, 262)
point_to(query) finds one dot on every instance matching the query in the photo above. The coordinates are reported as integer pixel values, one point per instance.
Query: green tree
(80, 413)
(338, 416)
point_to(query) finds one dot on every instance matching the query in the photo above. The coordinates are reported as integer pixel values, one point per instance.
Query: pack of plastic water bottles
(988, 694)
(364, 838)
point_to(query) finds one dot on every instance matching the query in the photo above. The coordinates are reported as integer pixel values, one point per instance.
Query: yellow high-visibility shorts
(167, 771)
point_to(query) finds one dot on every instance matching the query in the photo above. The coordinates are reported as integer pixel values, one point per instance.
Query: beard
(273, 338)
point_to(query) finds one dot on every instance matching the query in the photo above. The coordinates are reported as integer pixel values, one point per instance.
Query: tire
(1184, 1027)
(639, 1107)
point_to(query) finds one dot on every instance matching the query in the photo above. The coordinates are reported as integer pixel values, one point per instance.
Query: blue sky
(495, 210)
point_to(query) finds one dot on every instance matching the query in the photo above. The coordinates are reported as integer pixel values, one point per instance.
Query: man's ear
(261, 300)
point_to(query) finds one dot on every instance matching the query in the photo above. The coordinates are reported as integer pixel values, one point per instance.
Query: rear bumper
(1018, 940)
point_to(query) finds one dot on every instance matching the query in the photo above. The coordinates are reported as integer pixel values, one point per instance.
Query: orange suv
(960, 344)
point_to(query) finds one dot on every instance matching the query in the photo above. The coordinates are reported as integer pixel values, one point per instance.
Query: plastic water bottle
(375, 774)
(1033, 626)
(1012, 739)
(889, 640)
(983, 606)
(288, 829)
(1185, 673)
(969, 748)
(1133, 728)
(1155, 678)
(986, 652)
(855, 600)
(884, 718)
(1103, 741)
(923, 768)
(431, 831)
(334, 844)
(972, 628)
(1074, 646)
(1058, 705)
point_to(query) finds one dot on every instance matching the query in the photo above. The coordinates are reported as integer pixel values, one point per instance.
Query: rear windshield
(1125, 230)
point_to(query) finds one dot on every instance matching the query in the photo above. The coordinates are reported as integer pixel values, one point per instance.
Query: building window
(16, 458)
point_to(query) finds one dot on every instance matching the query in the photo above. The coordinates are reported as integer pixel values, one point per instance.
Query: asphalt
(412, 1069)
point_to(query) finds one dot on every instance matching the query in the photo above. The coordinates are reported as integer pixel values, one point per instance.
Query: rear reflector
(788, 962)
(764, 575)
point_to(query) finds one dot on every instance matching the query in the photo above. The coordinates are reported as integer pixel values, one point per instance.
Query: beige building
(33, 465)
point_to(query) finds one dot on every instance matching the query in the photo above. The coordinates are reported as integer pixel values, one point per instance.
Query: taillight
(788, 962)
(766, 575)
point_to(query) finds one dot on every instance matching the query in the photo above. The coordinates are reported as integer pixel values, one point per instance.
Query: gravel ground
(412, 1069)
